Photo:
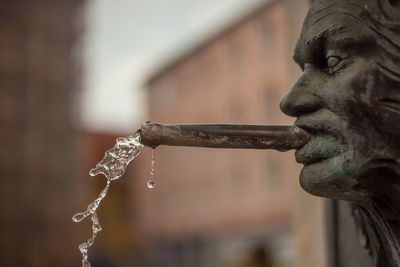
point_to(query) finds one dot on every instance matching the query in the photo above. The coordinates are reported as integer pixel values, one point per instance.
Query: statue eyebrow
(305, 50)
(308, 51)
(341, 43)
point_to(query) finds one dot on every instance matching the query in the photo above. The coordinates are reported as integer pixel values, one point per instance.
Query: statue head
(348, 98)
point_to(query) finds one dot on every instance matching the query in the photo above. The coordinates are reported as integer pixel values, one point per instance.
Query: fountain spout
(281, 138)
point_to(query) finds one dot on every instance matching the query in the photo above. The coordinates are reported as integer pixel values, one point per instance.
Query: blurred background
(76, 74)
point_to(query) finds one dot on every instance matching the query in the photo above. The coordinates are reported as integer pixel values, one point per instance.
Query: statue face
(348, 99)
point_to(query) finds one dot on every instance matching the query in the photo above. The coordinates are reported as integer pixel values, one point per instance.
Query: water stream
(151, 183)
(112, 166)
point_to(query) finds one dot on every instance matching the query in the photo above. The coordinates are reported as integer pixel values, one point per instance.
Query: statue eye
(333, 64)
(333, 61)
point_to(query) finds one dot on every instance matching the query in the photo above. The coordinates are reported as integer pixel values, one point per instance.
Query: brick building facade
(39, 155)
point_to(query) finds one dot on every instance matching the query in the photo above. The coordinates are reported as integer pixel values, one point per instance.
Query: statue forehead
(386, 12)
(321, 9)
(382, 5)
(379, 16)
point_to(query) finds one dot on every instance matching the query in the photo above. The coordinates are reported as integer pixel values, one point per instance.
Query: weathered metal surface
(281, 138)
(348, 99)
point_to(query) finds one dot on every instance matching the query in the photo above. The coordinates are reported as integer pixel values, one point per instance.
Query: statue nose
(298, 103)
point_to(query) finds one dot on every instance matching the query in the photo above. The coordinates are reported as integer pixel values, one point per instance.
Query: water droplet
(83, 246)
(153, 161)
(93, 172)
(86, 264)
(151, 184)
(105, 190)
(79, 216)
(94, 205)
(96, 228)
(90, 241)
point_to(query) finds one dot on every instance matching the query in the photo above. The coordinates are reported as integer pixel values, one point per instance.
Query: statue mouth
(320, 147)
(326, 139)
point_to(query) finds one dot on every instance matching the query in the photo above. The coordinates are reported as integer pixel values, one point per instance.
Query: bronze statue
(348, 99)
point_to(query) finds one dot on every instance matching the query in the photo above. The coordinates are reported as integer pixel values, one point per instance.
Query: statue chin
(333, 178)
(361, 180)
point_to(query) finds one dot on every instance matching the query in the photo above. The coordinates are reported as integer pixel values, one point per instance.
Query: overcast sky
(126, 39)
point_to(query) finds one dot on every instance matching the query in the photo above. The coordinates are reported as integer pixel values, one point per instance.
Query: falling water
(151, 183)
(112, 166)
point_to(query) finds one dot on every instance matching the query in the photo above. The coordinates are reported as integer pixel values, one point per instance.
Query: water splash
(112, 166)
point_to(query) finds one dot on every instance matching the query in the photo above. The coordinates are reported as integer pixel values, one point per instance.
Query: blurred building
(214, 207)
(39, 155)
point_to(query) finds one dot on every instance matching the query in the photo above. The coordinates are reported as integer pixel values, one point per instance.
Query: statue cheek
(350, 91)
(356, 95)
(386, 102)
(388, 119)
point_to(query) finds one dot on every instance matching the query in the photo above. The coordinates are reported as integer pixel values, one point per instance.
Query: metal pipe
(282, 138)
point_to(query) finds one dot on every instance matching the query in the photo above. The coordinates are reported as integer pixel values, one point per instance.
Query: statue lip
(326, 139)
(320, 147)
(319, 122)
(308, 160)
(316, 127)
